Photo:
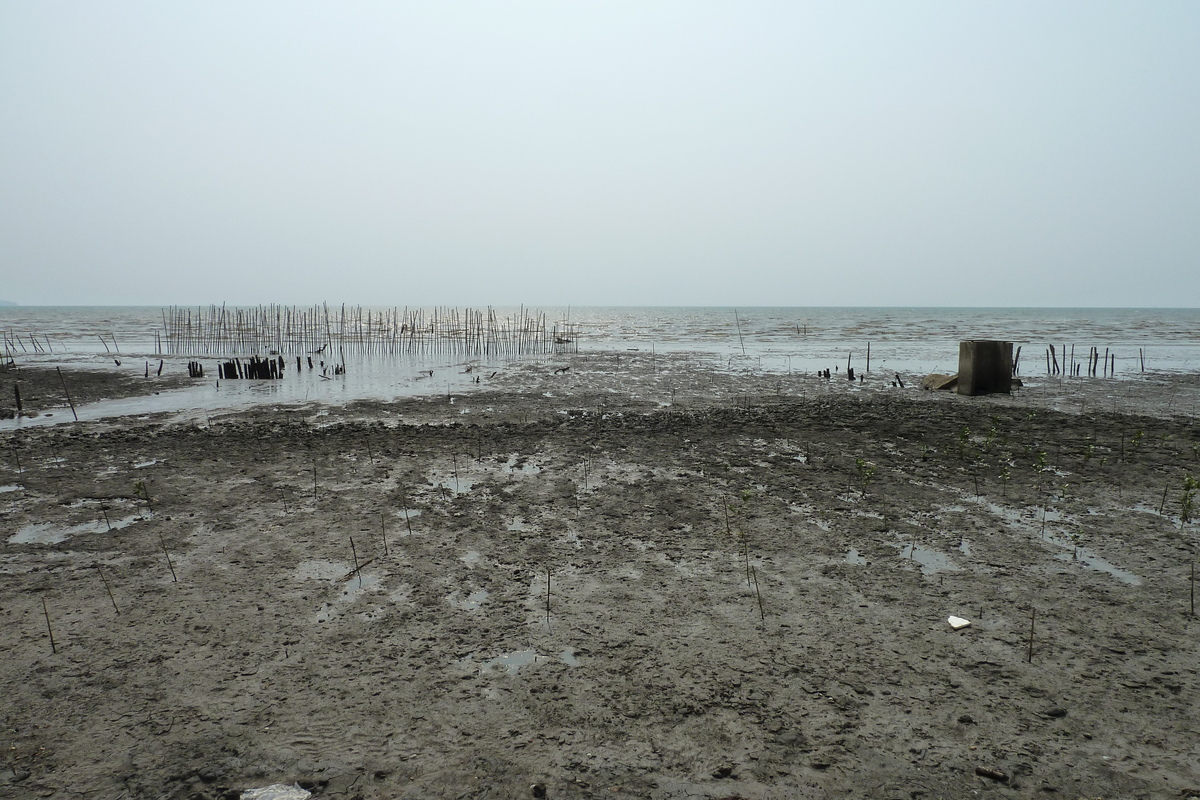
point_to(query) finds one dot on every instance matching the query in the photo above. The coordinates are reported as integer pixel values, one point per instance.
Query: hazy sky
(593, 153)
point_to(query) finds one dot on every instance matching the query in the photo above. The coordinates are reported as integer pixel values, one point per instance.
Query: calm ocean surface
(911, 341)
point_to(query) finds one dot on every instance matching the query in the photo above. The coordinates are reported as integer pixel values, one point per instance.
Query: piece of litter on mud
(277, 791)
(958, 622)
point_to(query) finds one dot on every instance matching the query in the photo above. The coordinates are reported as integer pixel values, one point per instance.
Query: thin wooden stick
(547, 597)
(746, 553)
(354, 553)
(762, 614)
(109, 589)
(383, 524)
(67, 393)
(171, 566)
(1032, 617)
(49, 630)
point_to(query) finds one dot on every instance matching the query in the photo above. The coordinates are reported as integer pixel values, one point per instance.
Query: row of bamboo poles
(14, 343)
(1105, 365)
(290, 330)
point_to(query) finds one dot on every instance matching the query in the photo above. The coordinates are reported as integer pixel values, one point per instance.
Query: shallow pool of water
(1089, 559)
(512, 662)
(53, 533)
(930, 560)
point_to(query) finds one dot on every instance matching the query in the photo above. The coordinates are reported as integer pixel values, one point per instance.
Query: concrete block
(984, 367)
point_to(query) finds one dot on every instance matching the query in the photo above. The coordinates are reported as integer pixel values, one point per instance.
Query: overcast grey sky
(592, 153)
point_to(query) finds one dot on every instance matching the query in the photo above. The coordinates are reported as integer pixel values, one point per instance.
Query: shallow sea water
(762, 341)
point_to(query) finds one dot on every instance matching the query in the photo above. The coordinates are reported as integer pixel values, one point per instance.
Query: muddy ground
(628, 579)
(42, 390)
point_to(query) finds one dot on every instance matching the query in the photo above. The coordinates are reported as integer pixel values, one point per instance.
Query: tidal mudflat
(642, 576)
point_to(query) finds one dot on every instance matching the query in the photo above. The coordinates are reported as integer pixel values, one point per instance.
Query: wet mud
(698, 584)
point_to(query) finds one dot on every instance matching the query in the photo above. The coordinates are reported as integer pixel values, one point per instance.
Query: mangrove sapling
(1004, 478)
(964, 438)
(866, 471)
(1187, 501)
(140, 490)
(992, 434)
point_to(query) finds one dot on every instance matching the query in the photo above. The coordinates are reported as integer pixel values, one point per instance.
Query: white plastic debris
(277, 791)
(957, 623)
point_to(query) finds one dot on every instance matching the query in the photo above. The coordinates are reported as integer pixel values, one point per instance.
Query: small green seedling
(140, 490)
(866, 471)
(992, 434)
(1187, 503)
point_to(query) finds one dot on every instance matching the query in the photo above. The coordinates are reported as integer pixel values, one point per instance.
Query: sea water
(770, 341)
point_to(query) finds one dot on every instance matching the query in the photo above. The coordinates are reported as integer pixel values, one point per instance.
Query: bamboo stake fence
(290, 330)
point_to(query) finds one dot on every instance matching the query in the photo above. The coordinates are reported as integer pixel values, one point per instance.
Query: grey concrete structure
(984, 367)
